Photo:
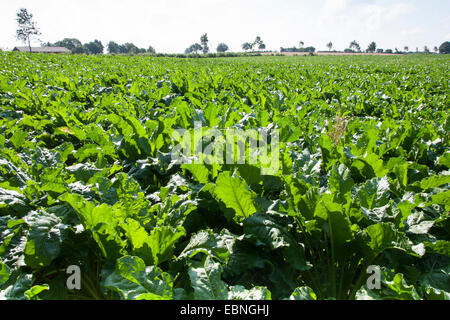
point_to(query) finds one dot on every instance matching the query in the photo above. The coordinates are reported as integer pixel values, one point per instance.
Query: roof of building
(43, 49)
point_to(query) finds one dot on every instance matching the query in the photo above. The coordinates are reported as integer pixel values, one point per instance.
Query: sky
(171, 26)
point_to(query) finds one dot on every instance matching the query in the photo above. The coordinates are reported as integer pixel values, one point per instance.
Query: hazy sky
(173, 25)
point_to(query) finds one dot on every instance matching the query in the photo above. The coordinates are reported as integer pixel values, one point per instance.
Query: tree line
(372, 48)
(222, 47)
(96, 47)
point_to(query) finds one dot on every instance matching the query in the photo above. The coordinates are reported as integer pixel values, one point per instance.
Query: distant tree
(445, 48)
(193, 48)
(80, 50)
(436, 49)
(330, 45)
(301, 44)
(70, 43)
(126, 48)
(406, 48)
(355, 45)
(372, 47)
(94, 47)
(204, 42)
(123, 48)
(113, 47)
(388, 51)
(151, 49)
(295, 49)
(348, 50)
(196, 47)
(258, 43)
(380, 50)
(27, 28)
(222, 47)
(130, 48)
(247, 46)
(426, 50)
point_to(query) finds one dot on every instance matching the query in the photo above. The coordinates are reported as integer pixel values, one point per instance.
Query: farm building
(43, 49)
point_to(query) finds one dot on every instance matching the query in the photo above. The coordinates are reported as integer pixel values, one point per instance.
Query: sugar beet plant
(87, 178)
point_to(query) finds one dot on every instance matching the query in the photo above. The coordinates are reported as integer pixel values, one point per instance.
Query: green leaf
(46, 237)
(434, 181)
(210, 243)
(435, 273)
(185, 114)
(341, 183)
(83, 171)
(136, 234)
(155, 247)
(16, 290)
(417, 224)
(303, 293)
(439, 247)
(32, 294)
(199, 171)
(286, 162)
(256, 293)
(235, 194)
(89, 214)
(12, 202)
(4, 273)
(135, 281)
(374, 197)
(272, 232)
(18, 138)
(206, 280)
(392, 288)
(54, 180)
(436, 294)
(305, 199)
(88, 150)
(400, 168)
(102, 221)
(442, 198)
(211, 115)
(330, 156)
(445, 160)
(374, 193)
(340, 180)
(340, 234)
(162, 242)
(250, 173)
(383, 236)
(377, 165)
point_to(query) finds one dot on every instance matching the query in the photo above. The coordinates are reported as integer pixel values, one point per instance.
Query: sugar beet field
(93, 205)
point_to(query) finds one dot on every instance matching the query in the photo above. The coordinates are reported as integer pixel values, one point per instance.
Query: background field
(86, 178)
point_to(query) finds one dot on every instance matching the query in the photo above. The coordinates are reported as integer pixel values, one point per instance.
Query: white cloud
(412, 32)
(346, 20)
(335, 6)
(377, 16)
